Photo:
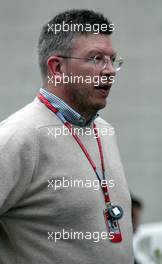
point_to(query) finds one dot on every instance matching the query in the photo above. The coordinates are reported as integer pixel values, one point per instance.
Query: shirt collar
(69, 113)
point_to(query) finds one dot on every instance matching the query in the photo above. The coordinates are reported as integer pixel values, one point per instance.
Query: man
(63, 193)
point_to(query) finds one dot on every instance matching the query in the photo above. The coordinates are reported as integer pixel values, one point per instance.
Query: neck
(72, 102)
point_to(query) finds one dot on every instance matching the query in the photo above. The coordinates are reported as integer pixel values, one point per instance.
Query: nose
(109, 69)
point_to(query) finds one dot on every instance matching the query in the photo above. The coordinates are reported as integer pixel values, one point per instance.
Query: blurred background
(135, 104)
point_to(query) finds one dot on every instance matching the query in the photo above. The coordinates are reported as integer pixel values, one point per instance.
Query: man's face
(88, 96)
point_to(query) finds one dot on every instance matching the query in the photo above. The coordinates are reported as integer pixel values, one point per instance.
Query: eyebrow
(113, 55)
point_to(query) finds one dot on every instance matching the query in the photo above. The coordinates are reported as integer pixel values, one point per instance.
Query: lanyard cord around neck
(104, 186)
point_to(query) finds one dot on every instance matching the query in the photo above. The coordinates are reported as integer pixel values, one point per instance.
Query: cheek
(91, 78)
(91, 71)
(86, 70)
(85, 87)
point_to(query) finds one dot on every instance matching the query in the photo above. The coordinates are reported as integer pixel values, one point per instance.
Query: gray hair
(62, 41)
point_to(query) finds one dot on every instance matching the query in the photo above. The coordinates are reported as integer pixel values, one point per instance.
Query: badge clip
(113, 227)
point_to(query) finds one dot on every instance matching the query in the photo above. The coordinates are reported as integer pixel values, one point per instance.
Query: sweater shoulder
(30, 118)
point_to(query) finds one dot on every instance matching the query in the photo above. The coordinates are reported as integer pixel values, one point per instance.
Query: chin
(101, 104)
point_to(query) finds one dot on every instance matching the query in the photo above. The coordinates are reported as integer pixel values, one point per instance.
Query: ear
(54, 65)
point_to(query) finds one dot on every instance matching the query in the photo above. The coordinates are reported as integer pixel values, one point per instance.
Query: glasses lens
(117, 64)
(102, 62)
(99, 61)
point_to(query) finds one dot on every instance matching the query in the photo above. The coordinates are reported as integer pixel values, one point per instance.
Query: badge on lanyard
(113, 228)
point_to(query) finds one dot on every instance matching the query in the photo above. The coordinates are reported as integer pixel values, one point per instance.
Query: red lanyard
(104, 186)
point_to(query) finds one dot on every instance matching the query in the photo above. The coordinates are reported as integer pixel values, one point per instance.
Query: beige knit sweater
(36, 209)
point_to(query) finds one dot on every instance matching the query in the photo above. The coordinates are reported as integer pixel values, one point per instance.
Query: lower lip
(103, 92)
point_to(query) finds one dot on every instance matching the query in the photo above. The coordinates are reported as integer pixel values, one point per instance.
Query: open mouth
(103, 90)
(103, 87)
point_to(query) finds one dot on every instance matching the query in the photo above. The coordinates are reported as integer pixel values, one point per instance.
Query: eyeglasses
(101, 61)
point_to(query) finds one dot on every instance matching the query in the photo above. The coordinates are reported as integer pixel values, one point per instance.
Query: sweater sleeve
(17, 162)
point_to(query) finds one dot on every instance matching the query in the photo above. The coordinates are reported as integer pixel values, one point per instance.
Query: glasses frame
(106, 60)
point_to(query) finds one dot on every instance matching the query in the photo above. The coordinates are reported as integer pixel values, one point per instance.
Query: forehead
(85, 44)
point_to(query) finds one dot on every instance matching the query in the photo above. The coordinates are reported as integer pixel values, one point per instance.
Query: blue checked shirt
(68, 113)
